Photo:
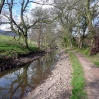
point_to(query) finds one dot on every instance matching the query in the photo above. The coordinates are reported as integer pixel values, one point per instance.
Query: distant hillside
(7, 33)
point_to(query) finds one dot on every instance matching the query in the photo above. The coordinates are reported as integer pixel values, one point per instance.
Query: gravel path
(91, 76)
(57, 85)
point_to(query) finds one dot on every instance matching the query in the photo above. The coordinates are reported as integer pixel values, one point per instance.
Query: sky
(34, 5)
(31, 6)
(17, 10)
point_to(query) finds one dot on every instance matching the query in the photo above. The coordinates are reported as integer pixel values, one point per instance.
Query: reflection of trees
(18, 85)
(22, 82)
(43, 67)
(26, 78)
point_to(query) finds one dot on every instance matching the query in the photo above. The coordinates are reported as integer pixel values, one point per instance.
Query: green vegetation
(86, 51)
(78, 81)
(93, 58)
(10, 48)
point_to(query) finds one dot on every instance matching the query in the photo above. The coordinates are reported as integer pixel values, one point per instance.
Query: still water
(16, 83)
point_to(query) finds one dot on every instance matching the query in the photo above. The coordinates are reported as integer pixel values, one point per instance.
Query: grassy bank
(10, 48)
(78, 81)
(92, 58)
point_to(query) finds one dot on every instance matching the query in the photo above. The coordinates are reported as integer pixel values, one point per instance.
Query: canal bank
(18, 82)
(6, 64)
(57, 85)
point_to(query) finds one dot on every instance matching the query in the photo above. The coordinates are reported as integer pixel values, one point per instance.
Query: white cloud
(33, 6)
(43, 3)
(5, 27)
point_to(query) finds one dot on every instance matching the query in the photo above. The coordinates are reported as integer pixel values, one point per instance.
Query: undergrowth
(92, 58)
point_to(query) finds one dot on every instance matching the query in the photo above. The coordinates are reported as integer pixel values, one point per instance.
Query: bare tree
(43, 17)
(86, 12)
(22, 27)
(66, 19)
(76, 15)
(1, 5)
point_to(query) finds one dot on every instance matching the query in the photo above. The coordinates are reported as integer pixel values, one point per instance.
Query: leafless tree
(1, 5)
(44, 19)
(20, 27)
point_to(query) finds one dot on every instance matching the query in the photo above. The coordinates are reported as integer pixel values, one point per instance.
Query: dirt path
(57, 85)
(91, 76)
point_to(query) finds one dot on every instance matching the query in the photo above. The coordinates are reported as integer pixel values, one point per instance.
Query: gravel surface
(57, 85)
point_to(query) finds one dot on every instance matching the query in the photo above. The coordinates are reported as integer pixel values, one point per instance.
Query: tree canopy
(73, 21)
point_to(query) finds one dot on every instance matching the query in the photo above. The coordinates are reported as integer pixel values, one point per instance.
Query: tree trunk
(1, 5)
(89, 19)
(39, 40)
(40, 35)
(26, 41)
(91, 45)
(38, 43)
(81, 44)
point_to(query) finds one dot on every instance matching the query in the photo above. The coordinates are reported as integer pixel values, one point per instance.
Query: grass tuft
(78, 81)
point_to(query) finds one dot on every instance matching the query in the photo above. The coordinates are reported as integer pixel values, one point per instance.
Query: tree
(44, 17)
(81, 25)
(1, 5)
(86, 12)
(22, 27)
(66, 20)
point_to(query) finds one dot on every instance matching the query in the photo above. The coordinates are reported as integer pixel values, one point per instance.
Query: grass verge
(78, 81)
(10, 48)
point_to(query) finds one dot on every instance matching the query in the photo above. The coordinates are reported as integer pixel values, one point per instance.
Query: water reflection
(17, 83)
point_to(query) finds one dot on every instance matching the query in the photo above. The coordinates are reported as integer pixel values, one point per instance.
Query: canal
(18, 82)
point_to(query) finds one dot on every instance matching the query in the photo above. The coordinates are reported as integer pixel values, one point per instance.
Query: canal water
(16, 83)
